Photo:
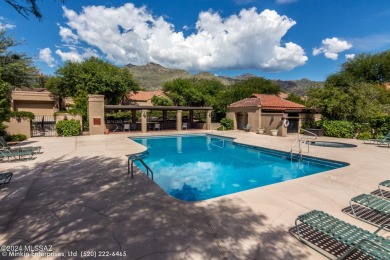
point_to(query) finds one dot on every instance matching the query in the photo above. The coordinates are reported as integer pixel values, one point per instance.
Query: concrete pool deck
(76, 196)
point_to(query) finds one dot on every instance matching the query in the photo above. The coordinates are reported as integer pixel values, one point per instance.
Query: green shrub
(226, 124)
(15, 138)
(342, 129)
(68, 127)
(22, 114)
(364, 135)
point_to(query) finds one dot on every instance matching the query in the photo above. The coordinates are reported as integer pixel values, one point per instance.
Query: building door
(292, 127)
(43, 126)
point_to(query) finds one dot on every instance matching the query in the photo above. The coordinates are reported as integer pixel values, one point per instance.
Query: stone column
(96, 114)
(208, 120)
(144, 120)
(179, 120)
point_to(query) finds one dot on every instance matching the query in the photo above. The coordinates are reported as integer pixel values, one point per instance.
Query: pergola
(145, 109)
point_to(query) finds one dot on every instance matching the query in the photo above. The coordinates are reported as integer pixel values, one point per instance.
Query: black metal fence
(43, 126)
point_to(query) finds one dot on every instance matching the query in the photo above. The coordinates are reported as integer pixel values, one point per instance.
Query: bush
(342, 129)
(22, 114)
(15, 138)
(364, 135)
(226, 124)
(68, 127)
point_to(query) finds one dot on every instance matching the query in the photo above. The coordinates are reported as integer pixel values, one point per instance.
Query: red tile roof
(144, 95)
(268, 102)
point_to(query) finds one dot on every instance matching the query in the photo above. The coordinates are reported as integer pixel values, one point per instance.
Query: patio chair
(118, 127)
(5, 178)
(4, 145)
(376, 140)
(354, 237)
(184, 126)
(383, 184)
(15, 154)
(385, 141)
(126, 127)
(157, 126)
(247, 127)
(372, 202)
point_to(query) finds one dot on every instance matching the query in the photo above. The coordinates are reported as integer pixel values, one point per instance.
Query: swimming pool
(200, 167)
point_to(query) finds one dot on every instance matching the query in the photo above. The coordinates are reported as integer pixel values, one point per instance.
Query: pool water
(200, 167)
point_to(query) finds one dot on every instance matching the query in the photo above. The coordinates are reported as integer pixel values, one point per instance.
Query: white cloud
(45, 56)
(5, 26)
(127, 34)
(75, 56)
(67, 35)
(331, 47)
(349, 56)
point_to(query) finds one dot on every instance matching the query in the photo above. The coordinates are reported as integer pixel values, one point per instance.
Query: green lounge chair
(3, 144)
(372, 202)
(354, 237)
(376, 140)
(5, 178)
(383, 184)
(15, 154)
(385, 141)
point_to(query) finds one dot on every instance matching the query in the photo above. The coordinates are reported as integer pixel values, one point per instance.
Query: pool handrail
(134, 158)
(303, 140)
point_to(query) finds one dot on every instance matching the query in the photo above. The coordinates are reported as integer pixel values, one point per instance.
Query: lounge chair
(126, 127)
(372, 202)
(385, 141)
(5, 178)
(356, 238)
(4, 145)
(15, 154)
(248, 127)
(376, 140)
(383, 184)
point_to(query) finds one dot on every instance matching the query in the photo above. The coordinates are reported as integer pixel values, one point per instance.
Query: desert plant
(68, 127)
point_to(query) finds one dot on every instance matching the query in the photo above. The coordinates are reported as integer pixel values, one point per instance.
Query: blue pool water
(200, 167)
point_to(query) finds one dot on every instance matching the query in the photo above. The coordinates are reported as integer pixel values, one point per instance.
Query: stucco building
(268, 112)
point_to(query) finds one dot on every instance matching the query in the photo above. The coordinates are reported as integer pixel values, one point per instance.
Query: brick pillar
(96, 114)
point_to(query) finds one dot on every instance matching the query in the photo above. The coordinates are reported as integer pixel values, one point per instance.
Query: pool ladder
(301, 142)
(130, 166)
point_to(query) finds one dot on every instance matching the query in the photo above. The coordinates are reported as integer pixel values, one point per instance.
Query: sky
(275, 39)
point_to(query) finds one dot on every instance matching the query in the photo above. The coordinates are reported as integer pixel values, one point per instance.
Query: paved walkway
(76, 196)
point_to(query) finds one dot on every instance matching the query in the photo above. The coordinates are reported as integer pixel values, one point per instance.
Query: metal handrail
(134, 158)
(303, 140)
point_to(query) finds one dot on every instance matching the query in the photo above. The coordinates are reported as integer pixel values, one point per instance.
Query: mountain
(152, 76)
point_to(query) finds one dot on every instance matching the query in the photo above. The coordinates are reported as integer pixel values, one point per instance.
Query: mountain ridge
(152, 76)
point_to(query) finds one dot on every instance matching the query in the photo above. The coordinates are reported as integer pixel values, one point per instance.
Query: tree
(16, 70)
(296, 98)
(356, 103)
(240, 90)
(368, 68)
(29, 7)
(193, 92)
(92, 76)
(161, 101)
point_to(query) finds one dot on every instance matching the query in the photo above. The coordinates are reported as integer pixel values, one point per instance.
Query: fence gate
(43, 126)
